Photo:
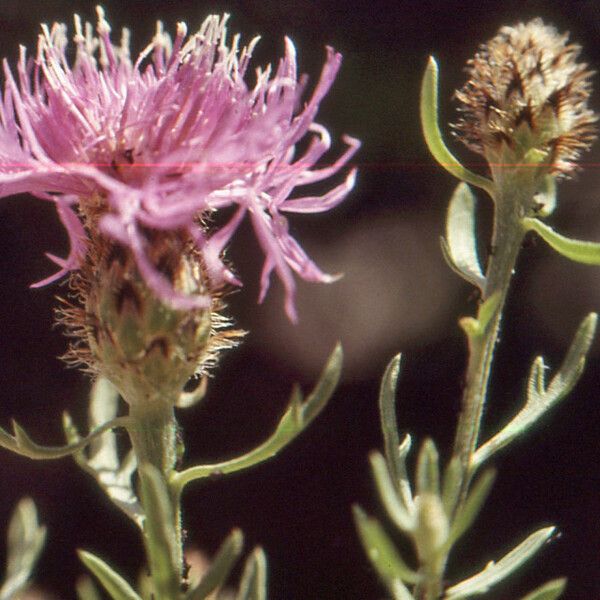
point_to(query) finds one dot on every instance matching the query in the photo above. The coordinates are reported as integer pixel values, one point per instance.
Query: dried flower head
(526, 99)
(162, 143)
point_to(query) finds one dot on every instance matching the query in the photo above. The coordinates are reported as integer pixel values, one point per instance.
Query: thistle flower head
(159, 144)
(526, 99)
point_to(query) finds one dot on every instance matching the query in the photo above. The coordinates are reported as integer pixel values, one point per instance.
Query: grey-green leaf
(114, 584)
(549, 591)
(381, 551)
(160, 538)
(576, 250)
(399, 513)
(540, 399)
(26, 539)
(460, 245)
(299, 414)
(466, 516)
(22, 444)
(102, 459)
(253, 585)
(433, 135)
(495, 572)
(395, 453)
(220, 567)
(451, 485)
(86, 590)
(428, 469)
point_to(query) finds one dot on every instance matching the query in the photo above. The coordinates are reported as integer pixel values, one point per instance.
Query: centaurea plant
(140, 157)
(525, 110)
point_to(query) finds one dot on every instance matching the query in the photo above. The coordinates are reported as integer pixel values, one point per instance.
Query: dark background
(397, 295)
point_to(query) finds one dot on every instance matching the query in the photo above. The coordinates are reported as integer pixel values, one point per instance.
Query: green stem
(153, 436)
(512, 202)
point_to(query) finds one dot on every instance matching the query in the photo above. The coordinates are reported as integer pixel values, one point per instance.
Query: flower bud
(525, 103)
(432, 527)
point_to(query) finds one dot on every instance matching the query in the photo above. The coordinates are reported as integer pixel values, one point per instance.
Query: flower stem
(154, 440)
(512, 202)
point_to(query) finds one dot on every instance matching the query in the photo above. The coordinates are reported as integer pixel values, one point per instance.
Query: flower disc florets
(166, 141)
(526, 100)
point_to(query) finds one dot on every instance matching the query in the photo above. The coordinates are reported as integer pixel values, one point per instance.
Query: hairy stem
(512, 202)
(154, 438)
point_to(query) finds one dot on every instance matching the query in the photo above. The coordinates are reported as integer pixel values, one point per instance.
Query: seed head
(526, 99)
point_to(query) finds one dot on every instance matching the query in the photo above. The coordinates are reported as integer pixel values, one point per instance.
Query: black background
(397, 295)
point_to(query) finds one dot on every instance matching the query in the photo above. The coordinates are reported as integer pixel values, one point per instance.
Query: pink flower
(166, 141)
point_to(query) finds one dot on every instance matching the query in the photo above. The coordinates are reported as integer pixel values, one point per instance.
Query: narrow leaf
(487, 310)
(296, 418)
(577, 250)
(451, 486)
(539, 398)
(220, 567)
(22, 444)
(381, 551)
(433, 135)
(86, 590)
(475, 328)
(160, 537)
(428, 470)
(26, 539)
(394, 453)
(572, 367)
(102, 460)
(460, 245)
(395, 508)
(471, 508)
(496, 572)
(254, 578)
(400, 592)
(549, 591)
(113, 583)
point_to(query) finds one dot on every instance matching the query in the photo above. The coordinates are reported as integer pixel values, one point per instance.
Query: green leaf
(381, 551)
(160, 537)
(428, 470)
(220, 567)
(112, 582)
(460, 245)
(102, 460)
(86, 590)
(451, 485)
(471, 508)
(579, 251)
(475, 328)
(433, 135)
(254, 578)
(549, 591)
(22, 444)
(26, 539)
(495, 572)
(572, 367)
(399, 513)
(299, 414)
(540, 399)
(395, 453)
